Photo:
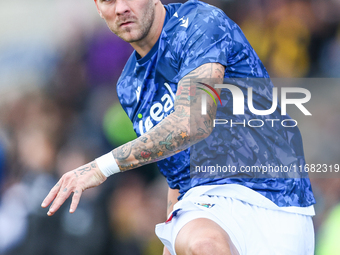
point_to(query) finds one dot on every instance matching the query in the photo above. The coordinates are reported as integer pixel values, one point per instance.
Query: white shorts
(253, 229)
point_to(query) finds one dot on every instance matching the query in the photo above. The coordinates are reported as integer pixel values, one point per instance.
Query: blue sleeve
(202, 34)
(206, 40)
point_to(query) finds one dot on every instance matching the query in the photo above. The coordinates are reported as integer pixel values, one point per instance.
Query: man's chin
(129, 37)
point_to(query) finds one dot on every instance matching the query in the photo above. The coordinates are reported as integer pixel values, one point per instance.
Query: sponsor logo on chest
(158, 111)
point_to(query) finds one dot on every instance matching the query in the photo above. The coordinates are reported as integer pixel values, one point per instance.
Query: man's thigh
(251, 229)
(204, 236)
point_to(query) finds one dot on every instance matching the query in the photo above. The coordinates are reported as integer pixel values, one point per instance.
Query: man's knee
(203, 237)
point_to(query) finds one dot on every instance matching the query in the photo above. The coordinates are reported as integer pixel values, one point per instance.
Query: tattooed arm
(178, 131)
(181, 129)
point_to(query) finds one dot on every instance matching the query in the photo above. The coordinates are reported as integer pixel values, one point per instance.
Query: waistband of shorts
(247, 195)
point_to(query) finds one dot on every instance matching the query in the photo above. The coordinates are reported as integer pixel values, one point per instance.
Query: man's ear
(98, 10)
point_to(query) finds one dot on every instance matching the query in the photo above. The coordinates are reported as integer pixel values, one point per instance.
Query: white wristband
(107, 164)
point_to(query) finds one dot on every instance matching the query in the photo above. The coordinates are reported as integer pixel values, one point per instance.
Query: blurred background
(59, 64)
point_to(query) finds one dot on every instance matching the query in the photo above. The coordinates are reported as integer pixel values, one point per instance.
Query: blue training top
(195, 33)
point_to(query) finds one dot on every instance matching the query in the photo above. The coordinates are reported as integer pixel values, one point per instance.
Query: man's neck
(144, 46)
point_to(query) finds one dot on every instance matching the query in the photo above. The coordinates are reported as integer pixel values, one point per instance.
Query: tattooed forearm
(201, 131)
(146, 154)
(123, 152)
(179, 130)
(183, 135)
(144, 139)
(124, 167)
(168, 142)
(181, 112)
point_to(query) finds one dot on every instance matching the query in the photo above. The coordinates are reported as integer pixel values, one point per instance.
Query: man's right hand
(76, 181)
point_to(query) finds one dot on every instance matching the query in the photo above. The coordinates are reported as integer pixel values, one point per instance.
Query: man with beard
(181, 52)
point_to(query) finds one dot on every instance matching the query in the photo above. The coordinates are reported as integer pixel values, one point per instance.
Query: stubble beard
(142, 29)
